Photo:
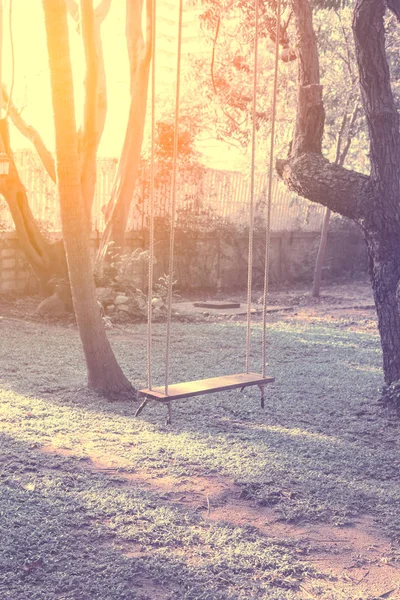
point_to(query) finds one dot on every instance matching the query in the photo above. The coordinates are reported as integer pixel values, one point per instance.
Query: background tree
(46, 258)
(344, 123)
(139, 51)
(104, 374)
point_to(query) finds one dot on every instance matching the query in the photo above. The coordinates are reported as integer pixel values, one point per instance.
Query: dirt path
(355, 562)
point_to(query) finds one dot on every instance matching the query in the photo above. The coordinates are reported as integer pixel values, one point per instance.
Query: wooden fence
(216, 195)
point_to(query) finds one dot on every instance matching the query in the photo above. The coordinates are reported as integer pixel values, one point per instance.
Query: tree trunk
(319, 263)
(104, 374)
(117, 211)
(372, 202)
(384, 269)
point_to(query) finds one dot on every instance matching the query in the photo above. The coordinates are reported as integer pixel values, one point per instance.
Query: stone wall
(205, 261)
(14, 270)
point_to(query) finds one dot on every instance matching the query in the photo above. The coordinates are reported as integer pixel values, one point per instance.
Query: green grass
(322, 450)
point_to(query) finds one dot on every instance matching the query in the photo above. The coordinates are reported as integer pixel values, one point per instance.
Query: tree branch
(310, 109)
(73, 9)
(102, 10)
(134, 34)
(315, 178)
(306, 171)
(32, 135)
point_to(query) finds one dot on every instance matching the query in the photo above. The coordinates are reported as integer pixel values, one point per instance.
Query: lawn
(301, 500)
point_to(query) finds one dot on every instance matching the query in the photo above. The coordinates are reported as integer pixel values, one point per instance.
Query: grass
(322, 451)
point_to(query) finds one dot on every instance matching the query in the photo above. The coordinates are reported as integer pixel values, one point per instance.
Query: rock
(123, 308)
(121, 300)
(123, 316)
(157, 302)
(105, 295)
(110, 309)
(51, 306)
(107, 323)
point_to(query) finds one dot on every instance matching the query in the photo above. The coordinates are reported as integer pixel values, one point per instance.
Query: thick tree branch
(310, 110)
(306, 171)
(32, 135)
(89, 22)
(315, 178)
(380, 109)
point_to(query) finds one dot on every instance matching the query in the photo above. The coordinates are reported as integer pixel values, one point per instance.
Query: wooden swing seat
(205, 386)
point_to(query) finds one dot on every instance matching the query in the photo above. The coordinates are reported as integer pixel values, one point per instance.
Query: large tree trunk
(372, 202)
(384, 269)
(104, 373)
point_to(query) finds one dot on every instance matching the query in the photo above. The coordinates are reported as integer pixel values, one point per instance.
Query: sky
(31, 91)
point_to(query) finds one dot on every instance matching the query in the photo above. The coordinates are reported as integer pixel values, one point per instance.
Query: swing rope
(269, 195)
(251, 215)
(151, 199)
(173, 200)
(241, 380)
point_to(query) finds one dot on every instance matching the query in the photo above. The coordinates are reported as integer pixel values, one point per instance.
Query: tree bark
(104, 374)
(372, 202)
(89, 23)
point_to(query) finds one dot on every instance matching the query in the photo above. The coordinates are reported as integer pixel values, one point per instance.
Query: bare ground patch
(356, 562)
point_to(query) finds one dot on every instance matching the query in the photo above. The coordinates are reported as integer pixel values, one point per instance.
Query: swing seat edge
(205, 386)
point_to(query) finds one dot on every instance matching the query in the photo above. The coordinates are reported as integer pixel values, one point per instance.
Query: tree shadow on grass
(70, 533)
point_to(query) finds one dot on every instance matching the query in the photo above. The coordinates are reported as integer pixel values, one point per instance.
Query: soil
(358, 561)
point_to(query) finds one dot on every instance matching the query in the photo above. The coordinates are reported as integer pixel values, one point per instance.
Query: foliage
(227, 81)
(344, 118)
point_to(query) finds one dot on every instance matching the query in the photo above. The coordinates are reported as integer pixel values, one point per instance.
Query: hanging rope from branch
(269, 194)
(173, 198)
(251, 211)
(151, 199)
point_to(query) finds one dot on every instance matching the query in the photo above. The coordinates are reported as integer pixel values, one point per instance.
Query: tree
(227, 73)
(48, 259)
(139, 51)
(104, 374)
(344, 119)
(371, 201)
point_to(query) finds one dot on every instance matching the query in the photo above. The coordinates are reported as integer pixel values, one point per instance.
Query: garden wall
(207, 261)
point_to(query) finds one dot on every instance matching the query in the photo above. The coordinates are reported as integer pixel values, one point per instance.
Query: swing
(167, 393)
